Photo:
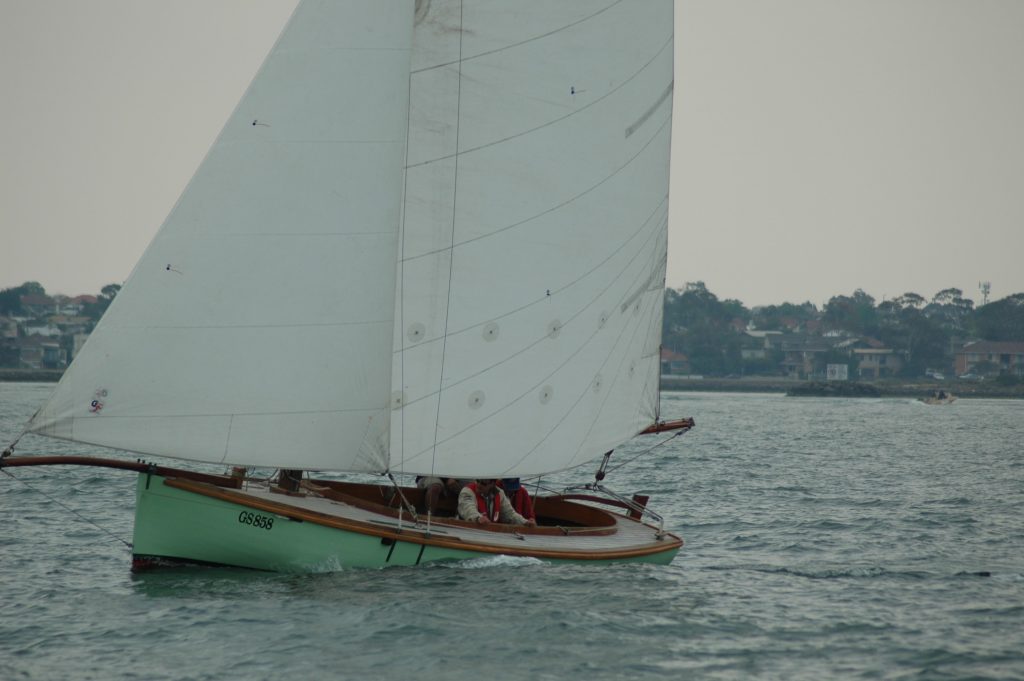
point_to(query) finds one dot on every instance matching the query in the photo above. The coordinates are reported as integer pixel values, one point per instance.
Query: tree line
(711, 332)
(27, 311)
(12, 305)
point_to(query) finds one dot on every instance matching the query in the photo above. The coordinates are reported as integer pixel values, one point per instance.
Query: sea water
(826, 538)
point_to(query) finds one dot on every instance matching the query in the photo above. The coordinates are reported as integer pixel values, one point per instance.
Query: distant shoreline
(753, 384)
(30, 375)
(887, 388)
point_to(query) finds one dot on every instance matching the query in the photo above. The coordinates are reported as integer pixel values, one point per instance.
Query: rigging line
(451, 258)
(401, 282)
(559, 206)
(227, 438)
(405, 502)
(10, 448)
(530, 391)
(617, 250)
(66, 507)
(646, 451)
(514, 45)
(543, 338)
(554, 121)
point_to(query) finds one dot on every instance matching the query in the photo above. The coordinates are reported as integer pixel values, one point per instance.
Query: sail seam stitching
(530, 390)
(280, 141)
(604, 401)
(656, 320)
(613, 252)
(250, 326)
(256, 235)
(572, 113)
(550, 33)
(533, 344)
(107, 416)
(597, 412)
(555, 207)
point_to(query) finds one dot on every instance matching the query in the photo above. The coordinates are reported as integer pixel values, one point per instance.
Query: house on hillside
(48, 330)
(70, 325)
(804, 357)
(871, 358)
(36, 305)
(1005, 356)
(34, 352)
(674, 363)
(8, 328)
(877, 362)
(790, 324)
(68, 306)
(757, 344)
(813, 327)
(77, 342)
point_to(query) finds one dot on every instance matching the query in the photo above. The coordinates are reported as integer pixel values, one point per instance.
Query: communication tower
(985, 287)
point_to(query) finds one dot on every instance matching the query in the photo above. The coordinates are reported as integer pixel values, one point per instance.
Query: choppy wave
(825, 539)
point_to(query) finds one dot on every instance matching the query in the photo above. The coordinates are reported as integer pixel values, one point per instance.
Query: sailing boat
(430, 240)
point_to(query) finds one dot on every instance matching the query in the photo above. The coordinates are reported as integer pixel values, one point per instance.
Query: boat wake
(493, 562)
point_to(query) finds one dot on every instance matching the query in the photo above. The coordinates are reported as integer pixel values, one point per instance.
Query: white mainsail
(511, 155)
(256, 329)
(533, 252)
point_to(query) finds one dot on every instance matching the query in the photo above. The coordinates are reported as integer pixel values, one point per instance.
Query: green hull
(177, 526)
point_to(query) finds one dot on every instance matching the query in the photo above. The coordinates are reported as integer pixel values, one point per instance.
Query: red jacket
(520, 500)
(494, 513)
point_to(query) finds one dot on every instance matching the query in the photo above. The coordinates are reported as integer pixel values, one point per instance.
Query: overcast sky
(819, 146)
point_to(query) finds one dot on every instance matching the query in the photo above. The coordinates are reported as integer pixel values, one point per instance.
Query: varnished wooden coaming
(556, 516)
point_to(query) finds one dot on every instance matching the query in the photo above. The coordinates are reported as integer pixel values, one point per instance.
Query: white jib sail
(533, 251)
(256, 329)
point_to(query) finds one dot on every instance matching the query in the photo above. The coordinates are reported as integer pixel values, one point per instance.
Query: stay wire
(646, 451)
(66, 507)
